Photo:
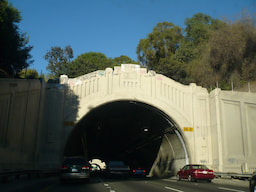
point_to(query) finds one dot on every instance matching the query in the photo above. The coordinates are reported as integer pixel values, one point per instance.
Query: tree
(200, 72)
(87, 63)
(249, 63)
(198, 28)
(228, 56)
(185, 52)
(198, 31)
(173, 69)
(29, 74)
(233, 52)
(157, 50)
(123, 60)
(227, 48)
(14, 51)
(58, 60)
(93, 61)
(192, 50)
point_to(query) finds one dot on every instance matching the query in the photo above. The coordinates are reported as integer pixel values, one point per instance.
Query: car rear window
(199, 167)
(116, 163)
(75, 161)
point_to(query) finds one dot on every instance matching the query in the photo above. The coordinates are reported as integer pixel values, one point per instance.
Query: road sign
(188, 129)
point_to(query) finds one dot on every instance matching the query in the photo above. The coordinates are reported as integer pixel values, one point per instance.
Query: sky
(111, 27)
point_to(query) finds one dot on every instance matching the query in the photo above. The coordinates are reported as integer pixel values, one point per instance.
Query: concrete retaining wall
(21, 106)
(233, 131)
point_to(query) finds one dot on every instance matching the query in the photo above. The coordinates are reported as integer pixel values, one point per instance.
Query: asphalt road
(125, 185)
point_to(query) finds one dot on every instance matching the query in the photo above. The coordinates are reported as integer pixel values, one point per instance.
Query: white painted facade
(218, 129)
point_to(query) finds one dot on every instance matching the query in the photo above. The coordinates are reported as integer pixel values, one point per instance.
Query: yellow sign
(187, 128)
(69, 123)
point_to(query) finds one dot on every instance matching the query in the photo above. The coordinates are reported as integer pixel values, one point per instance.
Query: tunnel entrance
(131, 131)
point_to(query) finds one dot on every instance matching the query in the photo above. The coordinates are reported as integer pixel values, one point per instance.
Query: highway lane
(127, 185)
(202, 186)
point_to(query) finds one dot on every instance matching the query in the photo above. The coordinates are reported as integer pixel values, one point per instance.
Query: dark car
(75, 168)
(253, 182)
(194, 172)
(138, 172)
(118, 168)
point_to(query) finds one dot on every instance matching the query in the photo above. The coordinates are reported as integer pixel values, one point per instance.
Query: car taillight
(133, 171)
(210, 172)
(64, 167)
(85, 167)
(144, 171)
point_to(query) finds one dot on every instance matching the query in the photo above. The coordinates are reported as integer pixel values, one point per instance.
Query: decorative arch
(133, 83)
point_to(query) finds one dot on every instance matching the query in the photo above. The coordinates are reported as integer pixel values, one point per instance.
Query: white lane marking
(171, 180)
(228, 189)
(173, 189)
(109, 187)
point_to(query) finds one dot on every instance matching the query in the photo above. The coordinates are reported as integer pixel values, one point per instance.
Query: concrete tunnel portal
(137, 133)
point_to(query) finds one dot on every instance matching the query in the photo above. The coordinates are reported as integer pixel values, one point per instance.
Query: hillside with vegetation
(207, 51)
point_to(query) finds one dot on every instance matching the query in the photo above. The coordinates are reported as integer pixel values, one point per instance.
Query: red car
(194, 172)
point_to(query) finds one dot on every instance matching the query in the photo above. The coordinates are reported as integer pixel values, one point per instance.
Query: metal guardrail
(234, 175)
(6, 175)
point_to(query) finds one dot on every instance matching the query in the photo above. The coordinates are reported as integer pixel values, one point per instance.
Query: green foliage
(173, 69)
(211, 51)
(58, 60)
(208, 52)
(184, 53)
(28, 74)
(249, 69)
(200, 72)
(227, 50)
(14, 51)
(229, 55)
(87, 63)
(92, 61)
(157, 50)
(198, 28)
(198, 31)
(122, 60)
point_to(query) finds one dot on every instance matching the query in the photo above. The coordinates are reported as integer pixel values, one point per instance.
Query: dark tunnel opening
(130, 131)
